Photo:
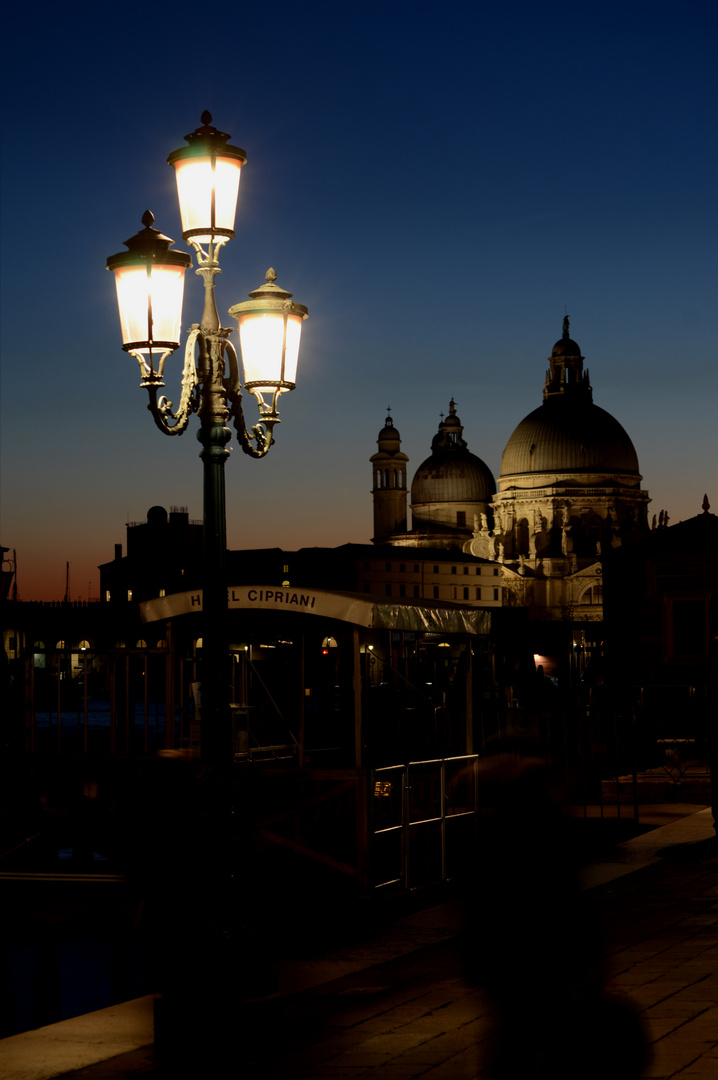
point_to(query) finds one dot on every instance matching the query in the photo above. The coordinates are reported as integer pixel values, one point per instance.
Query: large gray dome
(566, 435)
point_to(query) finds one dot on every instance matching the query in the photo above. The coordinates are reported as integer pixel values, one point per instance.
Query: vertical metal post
(302, 706)
(169, 689)
(84, 691)
(112, 663)
(59, 703)
(358, 725)
(216, 732)
(469, 740)
(145, 697)
(128, 741)
(30, 714)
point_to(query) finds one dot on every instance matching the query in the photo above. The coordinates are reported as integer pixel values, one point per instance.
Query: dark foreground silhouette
(534, 945)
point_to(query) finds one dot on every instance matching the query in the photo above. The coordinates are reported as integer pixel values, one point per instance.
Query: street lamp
(150, 279)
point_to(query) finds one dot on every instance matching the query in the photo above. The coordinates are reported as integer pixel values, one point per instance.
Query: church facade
(569, 492)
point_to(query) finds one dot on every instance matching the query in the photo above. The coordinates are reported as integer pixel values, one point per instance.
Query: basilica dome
(568, 433)
(567, 436)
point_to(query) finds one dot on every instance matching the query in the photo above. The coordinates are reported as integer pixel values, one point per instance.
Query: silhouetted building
(163, 556)
(662, 603)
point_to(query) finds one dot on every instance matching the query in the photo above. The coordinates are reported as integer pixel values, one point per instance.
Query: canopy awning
(347, 607)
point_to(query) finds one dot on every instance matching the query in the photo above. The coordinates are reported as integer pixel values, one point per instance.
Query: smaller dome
(566, 346)
(156, 516)
(389, 432)
(452, 474)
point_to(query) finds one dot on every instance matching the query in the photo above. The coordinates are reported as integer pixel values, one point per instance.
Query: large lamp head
(270, 326)
(150, 285)
(207, 173)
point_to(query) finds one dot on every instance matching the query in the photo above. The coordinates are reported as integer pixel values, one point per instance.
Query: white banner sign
(310, 601)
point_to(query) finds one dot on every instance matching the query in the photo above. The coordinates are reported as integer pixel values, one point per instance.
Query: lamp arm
(261, 433)
(161, 407)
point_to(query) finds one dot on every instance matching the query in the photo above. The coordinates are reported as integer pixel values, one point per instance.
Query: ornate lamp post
(149, 278)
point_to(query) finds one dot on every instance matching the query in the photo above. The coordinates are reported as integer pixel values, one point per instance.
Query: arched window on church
(386, 478)
(592, 596)
(522, 536)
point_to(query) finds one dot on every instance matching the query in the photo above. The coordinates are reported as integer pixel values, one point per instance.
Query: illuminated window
(129, 594)
(163, 592)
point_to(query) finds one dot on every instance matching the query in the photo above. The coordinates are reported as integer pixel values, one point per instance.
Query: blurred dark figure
(199, 952)
(534, 946)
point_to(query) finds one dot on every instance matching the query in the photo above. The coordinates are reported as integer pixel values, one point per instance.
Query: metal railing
(422, 820)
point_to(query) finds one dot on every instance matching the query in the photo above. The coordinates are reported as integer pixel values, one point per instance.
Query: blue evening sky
(439, 184)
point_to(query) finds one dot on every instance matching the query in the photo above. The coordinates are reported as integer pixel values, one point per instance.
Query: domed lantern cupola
(566, 372)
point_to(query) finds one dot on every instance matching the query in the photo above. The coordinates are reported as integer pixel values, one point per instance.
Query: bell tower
(389, 484)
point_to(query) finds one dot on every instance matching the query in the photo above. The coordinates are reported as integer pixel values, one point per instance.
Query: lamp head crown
(207, 139)
(148, 245)
(148, 240)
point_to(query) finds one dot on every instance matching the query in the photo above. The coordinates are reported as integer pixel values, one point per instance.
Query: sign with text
(265, 598)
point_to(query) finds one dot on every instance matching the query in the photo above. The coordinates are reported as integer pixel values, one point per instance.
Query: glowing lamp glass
(207, 188)
(270, 349)
(149, 298)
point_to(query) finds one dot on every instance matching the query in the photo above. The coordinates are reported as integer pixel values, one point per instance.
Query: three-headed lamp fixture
(150, 277)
